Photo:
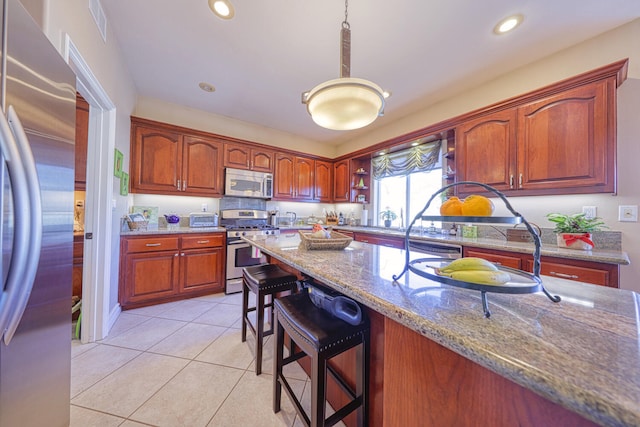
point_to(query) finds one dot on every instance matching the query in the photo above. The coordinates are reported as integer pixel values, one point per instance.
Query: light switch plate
(628, 213)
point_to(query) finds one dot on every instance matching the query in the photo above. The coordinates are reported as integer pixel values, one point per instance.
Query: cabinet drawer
(381, 241)
(203, 241)
(507, 261)
(571, 272)
(150, 244)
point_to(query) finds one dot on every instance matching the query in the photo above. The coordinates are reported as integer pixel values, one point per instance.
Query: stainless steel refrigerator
(37, 133)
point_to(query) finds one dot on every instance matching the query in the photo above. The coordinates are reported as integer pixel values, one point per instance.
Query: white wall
(72, 17)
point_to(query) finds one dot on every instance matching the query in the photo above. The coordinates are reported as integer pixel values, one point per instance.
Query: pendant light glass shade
(345, 103)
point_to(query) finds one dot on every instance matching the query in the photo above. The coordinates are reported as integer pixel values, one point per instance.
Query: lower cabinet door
(200, 270)
(149, 276)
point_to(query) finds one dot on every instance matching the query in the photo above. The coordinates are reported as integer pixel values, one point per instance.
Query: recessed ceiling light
(207, 87)
(222, 8)
(414, 144)
(508, 24)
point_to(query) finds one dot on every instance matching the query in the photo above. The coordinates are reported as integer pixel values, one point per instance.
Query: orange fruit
(475, 205)
(451, 207)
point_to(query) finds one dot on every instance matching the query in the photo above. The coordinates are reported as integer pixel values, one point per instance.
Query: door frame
(96, 276)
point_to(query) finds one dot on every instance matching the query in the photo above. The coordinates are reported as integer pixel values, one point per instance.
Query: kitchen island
(536, 362)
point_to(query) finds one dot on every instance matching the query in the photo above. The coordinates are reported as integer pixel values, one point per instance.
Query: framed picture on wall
(118, 160)
(124, 184)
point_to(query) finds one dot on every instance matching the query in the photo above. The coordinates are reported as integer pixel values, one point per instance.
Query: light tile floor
(179, 364)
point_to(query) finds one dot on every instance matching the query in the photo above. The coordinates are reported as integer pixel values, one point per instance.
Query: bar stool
(264, 281)
(320, 336)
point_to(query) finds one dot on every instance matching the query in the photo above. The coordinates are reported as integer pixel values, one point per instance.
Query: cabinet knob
(202, 242)
(175, 255)
(511, 181)
(520, 181)
(150, 245)
(184, 185)
(182, 254)
(178, 185)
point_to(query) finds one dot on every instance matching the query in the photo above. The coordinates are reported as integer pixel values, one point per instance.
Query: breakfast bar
(436, 360)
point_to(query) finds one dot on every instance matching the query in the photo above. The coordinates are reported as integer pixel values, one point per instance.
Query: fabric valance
(420, 158)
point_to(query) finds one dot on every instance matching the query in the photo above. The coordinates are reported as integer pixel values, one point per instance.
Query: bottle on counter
(340, 219)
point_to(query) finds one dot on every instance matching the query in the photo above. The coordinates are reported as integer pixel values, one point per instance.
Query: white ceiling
(261, 61)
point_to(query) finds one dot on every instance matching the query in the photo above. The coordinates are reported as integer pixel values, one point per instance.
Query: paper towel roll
(364, 217)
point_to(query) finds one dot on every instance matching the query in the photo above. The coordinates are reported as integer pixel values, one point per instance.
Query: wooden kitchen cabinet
(159, 268)
(486, 151)
(198, 254)
(249, 158)
(294, 177)
(166, 161)
(323, 182)
(341, 181)
(82, 140)
(202, 172)
(597, 273)
(558, 144)
(507, 259)
(376, 239)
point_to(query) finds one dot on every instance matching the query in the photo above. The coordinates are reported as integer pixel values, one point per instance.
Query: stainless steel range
(243, 223)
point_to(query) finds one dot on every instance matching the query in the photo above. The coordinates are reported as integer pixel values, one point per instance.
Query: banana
(469, 263)
(481, 277)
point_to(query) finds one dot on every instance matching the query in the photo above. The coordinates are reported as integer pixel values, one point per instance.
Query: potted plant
(574, 231)
(388, 215)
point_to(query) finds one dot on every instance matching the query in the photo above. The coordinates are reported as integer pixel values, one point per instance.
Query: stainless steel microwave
(243, 183)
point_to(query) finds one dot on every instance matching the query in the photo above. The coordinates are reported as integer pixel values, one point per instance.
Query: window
(405, 181)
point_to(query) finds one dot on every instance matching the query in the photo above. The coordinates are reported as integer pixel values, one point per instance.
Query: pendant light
(346, 103)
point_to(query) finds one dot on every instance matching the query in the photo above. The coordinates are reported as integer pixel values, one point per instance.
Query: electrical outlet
(628, 213)
(589, 211)
(204, 207)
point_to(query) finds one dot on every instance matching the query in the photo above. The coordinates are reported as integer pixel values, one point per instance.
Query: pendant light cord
(345, 45)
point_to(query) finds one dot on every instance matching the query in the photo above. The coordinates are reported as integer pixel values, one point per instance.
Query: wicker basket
(138, 225)
(337, 241)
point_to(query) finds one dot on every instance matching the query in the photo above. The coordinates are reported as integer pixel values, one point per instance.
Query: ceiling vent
(98, 15)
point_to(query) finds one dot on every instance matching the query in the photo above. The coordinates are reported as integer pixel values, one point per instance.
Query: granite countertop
(174, 230)
(595, 255)
(582, 352)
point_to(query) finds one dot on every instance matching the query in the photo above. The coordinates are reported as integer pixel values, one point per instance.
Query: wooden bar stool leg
(245, 309)
(259, 331)
(318, 390)
(278, 356)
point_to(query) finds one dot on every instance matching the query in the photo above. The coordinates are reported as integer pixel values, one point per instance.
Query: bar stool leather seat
(264, 281)
(320, 336)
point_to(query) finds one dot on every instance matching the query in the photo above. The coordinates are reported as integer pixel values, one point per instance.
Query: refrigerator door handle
(35, 220)
(21, 226)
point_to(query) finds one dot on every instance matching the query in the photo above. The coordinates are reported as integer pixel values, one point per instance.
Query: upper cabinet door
(243, 157)
(486, 151)
(155, 160)
(568, 140)
(261, 160)
(202, 166)
(341, 181)
(323, 183)
(237, 156)
(304, 175)
(283, 177)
